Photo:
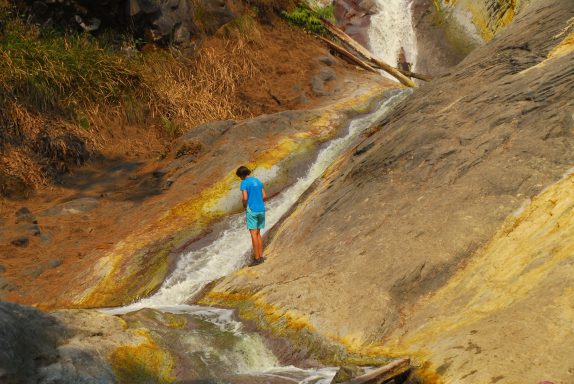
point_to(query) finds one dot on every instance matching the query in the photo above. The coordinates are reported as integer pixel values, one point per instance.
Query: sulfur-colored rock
(395, 220)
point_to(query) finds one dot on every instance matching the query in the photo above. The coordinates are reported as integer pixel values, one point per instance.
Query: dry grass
(60, 74)
(188, 92)
(61, 94)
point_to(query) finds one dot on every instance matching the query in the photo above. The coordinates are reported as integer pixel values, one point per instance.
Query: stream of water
(218, 347)
(391, 29)
(229, 252)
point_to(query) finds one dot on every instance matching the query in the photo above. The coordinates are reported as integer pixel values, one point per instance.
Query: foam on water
(391, 28)
(230, 251)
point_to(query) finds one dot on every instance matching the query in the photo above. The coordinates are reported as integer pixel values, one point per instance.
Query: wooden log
(387, 372)
(346, 54)
(367, 55)
(401, 75)
(415, 75)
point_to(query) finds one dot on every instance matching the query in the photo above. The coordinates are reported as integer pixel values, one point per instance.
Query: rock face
(158, 21)
(28, 341)
(395, 220)
(137, 266)
(71, 346)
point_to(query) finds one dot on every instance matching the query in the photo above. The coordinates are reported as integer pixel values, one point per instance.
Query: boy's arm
(244, 198)
(264, 195)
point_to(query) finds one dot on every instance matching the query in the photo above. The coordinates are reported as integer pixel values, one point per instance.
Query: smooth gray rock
(21, 241)
(54, 263)
(23, 215)
(28, 340)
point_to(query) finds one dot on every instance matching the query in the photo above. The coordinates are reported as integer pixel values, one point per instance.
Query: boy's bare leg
(260, 243)
(256, 242)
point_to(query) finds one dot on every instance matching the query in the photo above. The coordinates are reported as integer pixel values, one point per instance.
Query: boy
(253, 198)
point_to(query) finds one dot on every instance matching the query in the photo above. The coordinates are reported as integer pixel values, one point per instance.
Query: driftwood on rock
(367, 55)
(387, 372)
(415, 75)
(346, 54)
(401, 75)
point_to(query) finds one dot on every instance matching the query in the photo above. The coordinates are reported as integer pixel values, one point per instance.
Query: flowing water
(230, 251)
(391, 29)
(242, 353)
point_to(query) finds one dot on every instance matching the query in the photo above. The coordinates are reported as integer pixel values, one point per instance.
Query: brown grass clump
(187, 92)
(64, 96)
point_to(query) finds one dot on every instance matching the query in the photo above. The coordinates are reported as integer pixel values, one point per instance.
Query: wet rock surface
(394, 222)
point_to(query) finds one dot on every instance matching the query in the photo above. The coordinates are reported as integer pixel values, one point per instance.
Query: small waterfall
(230, 251)
(249, 356)
(391, 29)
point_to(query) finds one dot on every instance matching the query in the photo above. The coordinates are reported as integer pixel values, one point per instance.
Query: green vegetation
(61, 73)
(244, 24)
(309, 20)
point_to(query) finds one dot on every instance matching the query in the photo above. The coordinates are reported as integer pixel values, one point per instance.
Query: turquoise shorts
(255, 220)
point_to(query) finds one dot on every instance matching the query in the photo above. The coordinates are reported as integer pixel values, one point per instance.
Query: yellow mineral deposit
(120, 270)
(142, 363)
(488, 22)
(524, 269)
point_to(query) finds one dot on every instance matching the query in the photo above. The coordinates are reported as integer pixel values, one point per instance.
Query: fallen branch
(401, 75)
(380, 375)
(415, 75)
(346, 54)
(366, 54)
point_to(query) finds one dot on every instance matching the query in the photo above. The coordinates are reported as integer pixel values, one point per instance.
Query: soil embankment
(410, 212)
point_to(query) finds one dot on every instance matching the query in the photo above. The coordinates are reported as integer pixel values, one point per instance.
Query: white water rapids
(391, 28)
(230, 251)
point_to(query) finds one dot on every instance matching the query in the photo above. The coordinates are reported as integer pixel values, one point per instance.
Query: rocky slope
(417, 211)
(116, 180)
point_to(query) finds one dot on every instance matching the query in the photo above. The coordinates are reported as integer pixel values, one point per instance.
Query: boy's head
(242, 172)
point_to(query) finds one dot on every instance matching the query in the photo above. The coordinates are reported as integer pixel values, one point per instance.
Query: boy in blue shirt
(253, 198)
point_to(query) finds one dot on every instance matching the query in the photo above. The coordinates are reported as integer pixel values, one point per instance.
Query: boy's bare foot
(257, 261)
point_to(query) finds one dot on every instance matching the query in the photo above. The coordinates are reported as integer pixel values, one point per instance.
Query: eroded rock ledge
(401, 217)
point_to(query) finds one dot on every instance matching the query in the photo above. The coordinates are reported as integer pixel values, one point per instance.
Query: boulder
(54, 263)
(318, 81)
(21, 241)
(23, 215)
(28, 341)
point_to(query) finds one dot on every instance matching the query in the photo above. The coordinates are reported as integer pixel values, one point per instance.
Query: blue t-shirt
(254, 189)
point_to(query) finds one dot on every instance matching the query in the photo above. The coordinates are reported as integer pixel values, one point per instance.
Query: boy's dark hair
(242, 172)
